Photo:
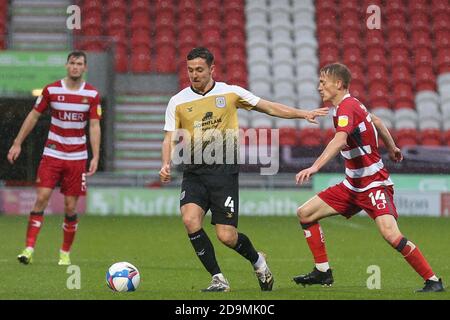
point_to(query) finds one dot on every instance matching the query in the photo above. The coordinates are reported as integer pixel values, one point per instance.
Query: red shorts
(71, 174)
(376, 201)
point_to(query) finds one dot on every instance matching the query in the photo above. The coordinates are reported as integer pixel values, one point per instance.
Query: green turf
(159, 247)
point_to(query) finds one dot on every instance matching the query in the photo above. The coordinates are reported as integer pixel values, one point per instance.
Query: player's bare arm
(332, 149)
(164, 173)
(27, 127)
(95, 135)
(282, 111)
(395, 153)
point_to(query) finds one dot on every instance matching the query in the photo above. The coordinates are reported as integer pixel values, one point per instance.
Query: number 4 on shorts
(229, 203)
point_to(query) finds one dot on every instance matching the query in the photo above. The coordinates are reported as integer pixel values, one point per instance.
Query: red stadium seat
(115, 5)
(374, 39)
(423, 56)
(407, 137)
(235, 37)
(403, 96)
(353, 56)
(398, 39)
(235, 54)
(425, 78)
(326, 5)
(141, 61)
(187, 5)
(377, 73)
(351, 20)
(441, 22)
(165, 36)
(358, 90)
(328, 55)
(351, 6)
(165, 59)
(211, 21)
(210, 6)
(400, 57)
(442, 39)
(358, 74)
(188, 20)
(234, 19)
(91, 6)
(233, 5)
(288, 137)
(420, 21)
(327, 38)
(431, 137)
(397, 22)
(421, 39)
(310, 137)
(351, 39)
(378, 94)
(212, 37)
(140, 20)
(401, 74)
(377, 56)
(165, 20)
(139, 5)
(443, 60)
(164, 6)
(438, 7)
(140, 38)
(116, 19)
(395, 6)
(417, 6)
(326, 21)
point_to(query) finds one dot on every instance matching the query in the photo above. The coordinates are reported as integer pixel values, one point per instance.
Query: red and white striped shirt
(364, 168)
(70, 111)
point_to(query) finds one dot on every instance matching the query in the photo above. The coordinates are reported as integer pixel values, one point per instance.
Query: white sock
(261, 262)
(433, 278)
(30, 248)
(323, 267)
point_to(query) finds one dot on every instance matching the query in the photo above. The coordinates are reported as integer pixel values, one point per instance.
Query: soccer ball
(123, 277)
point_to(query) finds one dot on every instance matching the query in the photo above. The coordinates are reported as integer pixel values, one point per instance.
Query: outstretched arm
(27, 127)
(332, 149)
(395, 153)
(282, 111)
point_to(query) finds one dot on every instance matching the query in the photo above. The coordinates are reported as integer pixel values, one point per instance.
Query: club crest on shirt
(60, 98)
(343, 121)
(220, 102)
(84, 100)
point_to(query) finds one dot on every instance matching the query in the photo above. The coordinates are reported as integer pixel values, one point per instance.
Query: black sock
(205, 251)
(245, 248)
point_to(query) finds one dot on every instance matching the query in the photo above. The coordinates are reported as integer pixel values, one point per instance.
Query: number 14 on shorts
(378, 199)
(229, 203)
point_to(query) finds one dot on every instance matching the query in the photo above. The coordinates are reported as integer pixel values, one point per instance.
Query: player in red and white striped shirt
(72, 103)
(367, 185)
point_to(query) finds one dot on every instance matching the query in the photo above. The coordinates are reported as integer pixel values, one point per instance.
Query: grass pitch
(170, 270)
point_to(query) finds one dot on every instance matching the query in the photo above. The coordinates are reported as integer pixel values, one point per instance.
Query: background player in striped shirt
(73, 102)
(367, 185)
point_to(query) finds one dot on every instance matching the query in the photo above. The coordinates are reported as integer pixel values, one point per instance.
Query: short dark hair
(77, 54)
(339, 71)
(201, 52)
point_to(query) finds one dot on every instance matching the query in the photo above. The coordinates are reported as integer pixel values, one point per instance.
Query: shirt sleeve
(247, 100)
(345, 118)
(95, 108)
(43, 101)
(170, 124)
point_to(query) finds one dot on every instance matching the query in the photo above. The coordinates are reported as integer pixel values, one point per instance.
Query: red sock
(316, 242)
(69, 228)
(414, 257)
(34, 226)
